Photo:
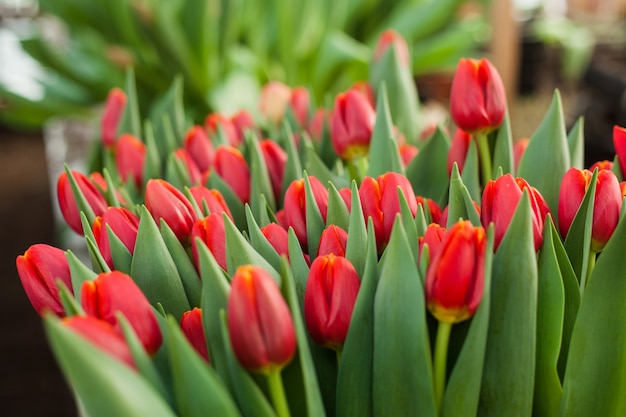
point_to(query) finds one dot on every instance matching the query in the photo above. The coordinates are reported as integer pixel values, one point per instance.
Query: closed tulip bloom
(210, 198)
(392, 39)
(351, 125)
(431, 207)
(346, 196)
(456, 274)
(499, 201)
(477, 97)
(243, 121)
(124, 225)
(166, 202)
(519, 147)
(458, 150)
(432, 238)
(278, 237)
(39, 268)
(273, 101)
(98, 180)
(606, 207)
(130, 158)
(67, 202)
(102, 335)
(233, 168)
(113, 292)
(216, 122)
(191, 169)
(379, 199)
(622, 187)
(295, 207)
(113, 111)
(407, 153)
(259, 321)
(366, 90)
(619, 143)
(212, 233)
(600, 165)
(199, 147)
(333, 240)
(329, 298)
(192, 328)
(300, 104)
(276, 160)
(316, 126)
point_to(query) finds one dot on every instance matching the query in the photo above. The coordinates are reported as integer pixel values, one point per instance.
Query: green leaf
(293, 169)
(596, 366)
(299, 266)
(197, 388)
(460, 205)
(259, 242)
(357, 234)
(131, 120)
(154, 270)
(71, 306)
(316, 167)
(381, 160)
(402, 360)
(508, 384)
(471, 170)
(503, 149)
(79, 273)
(105, 386)
(338, 213)
(232, 201)
(260, 183)
(576, 144)
(79, 197)
(170, 106)
(122, 258)
(427, 172)
(546, 158)
(314, 220)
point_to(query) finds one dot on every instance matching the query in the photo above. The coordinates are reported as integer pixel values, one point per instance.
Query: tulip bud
(278, 237)
(432, 238)
(39, 269)
(407, 153)
(233, 168)
(276, 160)
(458, 150)
(67, 202)
(366, 90)
(295, 207)
(191, 326)
(212, 233)
(619, 143)
(300, 103)
(130, 158)
(392, 39)
(210, 198)
(103, 336)
(456, 273)
(273, 101)
(346, 196)
(215, 122)
(165, 202)
(113, 111)
(600, 165)
(429, 206)
(333, 240)
(500, 199)
(519, 147)
(477, 97)
(242, 120)
(123, 223)
(379, 199)
(199, 147)
(192, 170)
(351, 125)
(606, 207)
(329, 298)
(622, 187)
(259, 321)
(98, 180)
(316, 127)
(113, 292)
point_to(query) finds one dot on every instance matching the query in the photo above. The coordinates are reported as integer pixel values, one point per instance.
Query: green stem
(590, 265)
(485, 156)
(277, 391)
(441, 356)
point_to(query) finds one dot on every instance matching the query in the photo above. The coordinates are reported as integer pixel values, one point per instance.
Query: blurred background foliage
(224, 50)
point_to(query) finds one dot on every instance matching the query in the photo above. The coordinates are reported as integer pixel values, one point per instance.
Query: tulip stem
(441, 356)
(277, 391)
(485, 156)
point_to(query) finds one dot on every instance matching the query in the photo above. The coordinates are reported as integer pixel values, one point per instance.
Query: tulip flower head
(112, 115)
(333, 240)
(211, 199)
(432, 238)
(233, 169)
(123, 223)
(351, 124)
(259, 322)
(165, 202)
(619, 143)
(243, 121)
(278, 237)
(130, 158)
(300, 104)
(295, 207)
(477, 97)
(392, 39)
(39, 268)
(329, 298)
(455, 276)
(458, 150)
(191, 168)
(67, 201)
(276, 160)
(216, 122)
(192, 328)
(273, 101)
(212, 233)
(199, 147)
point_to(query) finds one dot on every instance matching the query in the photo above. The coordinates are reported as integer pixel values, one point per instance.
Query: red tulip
(333, 240)
(429, 206)
(123, 223)
(458, 150)
(113, 111)
(103, 336)
(366, 90)
(276, 161)
(191, 326)
(300, 103)
(295, 207)
(500, 199)
(165, 202)
(622, 187)
(619, 143)
(67, 202)
(519, 147)
(456, 273)
(215, 122)
(273, 101)
(606, 207)
(278, 237)
(212, 233)
(600, 165)
(98, 180)
(346, 196)
(212, 198)
(242, 120)
(259, 321)
(477, 97)
(113, 292)
(318, 121)
(199, 147)
(390, 38)
(191, 169)
(329, 298)
(130, 158)
(233, 168)
(39, 269)
(407, 153)
(379, 199)
(432, 238)
(351, 125)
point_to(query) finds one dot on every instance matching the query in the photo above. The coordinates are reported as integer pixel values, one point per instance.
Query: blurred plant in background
(224, 50)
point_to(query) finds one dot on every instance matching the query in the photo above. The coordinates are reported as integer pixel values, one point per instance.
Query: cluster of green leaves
(224, 49)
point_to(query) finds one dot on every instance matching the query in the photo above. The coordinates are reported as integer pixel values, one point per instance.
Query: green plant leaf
(471, 170)
(131, 119)
(427, 172)
(259, 242)
(314, 220)
(122, 258)
(503, 149)
(299, 266)
(260, 184)
(338, 213)
(357, 234)
(79, 273)
(293, 169)
(576, 144)
(316, 167)
(381, 159)
(460, 205)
